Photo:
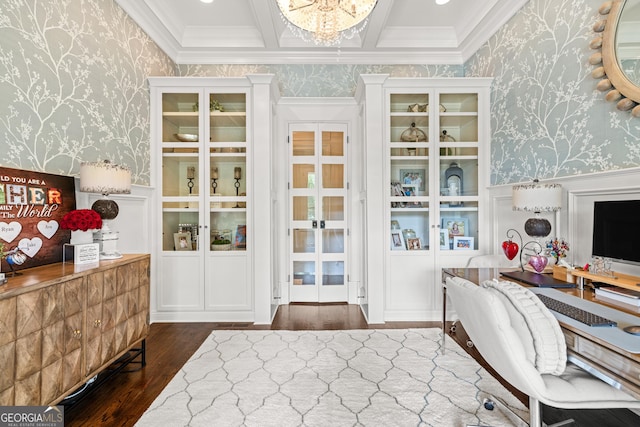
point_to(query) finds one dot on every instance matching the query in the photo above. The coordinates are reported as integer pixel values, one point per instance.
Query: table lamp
(105, 178)
(537, 198)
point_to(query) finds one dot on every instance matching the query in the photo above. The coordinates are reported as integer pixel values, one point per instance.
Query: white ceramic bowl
(187, 137)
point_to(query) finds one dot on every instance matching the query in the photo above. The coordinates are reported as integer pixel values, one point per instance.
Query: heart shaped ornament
(538, 262)
(48, 228)
(30, 246)
(510, 249)
(9, 231)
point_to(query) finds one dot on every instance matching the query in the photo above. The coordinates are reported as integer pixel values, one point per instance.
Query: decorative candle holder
(237, 175)
(191, 174)
(214, 179)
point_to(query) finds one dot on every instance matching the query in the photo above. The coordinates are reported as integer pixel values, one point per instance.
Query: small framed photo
(414, 244)
(409, 190)
(444, 240)
(397, 241)
(462, 243)
(182, 241)
(455, 226)
(413, 177)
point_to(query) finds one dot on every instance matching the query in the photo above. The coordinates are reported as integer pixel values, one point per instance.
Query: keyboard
(575, 313)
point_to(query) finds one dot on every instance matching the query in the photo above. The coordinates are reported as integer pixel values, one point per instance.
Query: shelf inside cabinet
(459, 102)
(416, 103)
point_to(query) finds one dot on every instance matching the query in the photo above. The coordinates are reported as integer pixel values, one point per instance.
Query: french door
(317, 214)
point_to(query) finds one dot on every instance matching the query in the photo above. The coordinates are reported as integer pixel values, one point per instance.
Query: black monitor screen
(616, 230)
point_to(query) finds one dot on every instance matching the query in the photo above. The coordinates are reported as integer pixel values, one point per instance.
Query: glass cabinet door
(181, 136)
(458, 170)
(409, 155)
(227, 171)
(204, 168)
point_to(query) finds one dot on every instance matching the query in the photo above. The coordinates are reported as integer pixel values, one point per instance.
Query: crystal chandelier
(326, 22)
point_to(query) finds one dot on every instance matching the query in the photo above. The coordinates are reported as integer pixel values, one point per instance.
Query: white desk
(612, 354)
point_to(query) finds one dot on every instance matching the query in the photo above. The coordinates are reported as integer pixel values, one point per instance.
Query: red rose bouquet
(81, 219)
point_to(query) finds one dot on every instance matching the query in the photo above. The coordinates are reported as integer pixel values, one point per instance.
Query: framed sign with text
(32, 205)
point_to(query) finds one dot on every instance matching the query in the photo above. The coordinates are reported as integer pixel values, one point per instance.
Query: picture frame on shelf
(414, 244)
(241, 237)
(462, 243)
(397, 241)
(413, 177)
(396, 191)
(182, 241)
(444, 240)
(409, 190)
(455, 226)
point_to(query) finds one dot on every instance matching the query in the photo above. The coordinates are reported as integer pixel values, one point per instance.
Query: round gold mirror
(618, 58)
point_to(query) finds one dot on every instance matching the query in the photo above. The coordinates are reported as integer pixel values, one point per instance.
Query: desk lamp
(105, 178)
(536, 198)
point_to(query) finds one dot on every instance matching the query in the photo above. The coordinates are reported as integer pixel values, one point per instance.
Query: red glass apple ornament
(510, 249)
(538, 262)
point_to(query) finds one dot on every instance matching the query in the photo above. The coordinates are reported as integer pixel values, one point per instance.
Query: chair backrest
(512, 330)
(491, 261)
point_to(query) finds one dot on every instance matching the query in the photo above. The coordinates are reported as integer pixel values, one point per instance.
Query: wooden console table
(586, 350)
(60, 327)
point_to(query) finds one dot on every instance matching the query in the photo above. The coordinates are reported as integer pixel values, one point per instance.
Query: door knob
(322, 224)
(314, 223)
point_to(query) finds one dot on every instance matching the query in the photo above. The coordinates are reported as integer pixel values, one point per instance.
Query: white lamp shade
(104, 178)
(537, 197)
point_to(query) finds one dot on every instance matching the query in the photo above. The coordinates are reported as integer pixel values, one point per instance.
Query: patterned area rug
(381, 377)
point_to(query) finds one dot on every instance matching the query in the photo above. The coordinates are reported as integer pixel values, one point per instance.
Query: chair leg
(535, 415)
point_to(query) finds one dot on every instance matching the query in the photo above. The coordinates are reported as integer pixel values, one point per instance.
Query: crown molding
(271, 42)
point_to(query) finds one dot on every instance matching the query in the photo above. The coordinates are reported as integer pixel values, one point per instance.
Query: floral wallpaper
(332, 80)
(73, 86)
(547, 118)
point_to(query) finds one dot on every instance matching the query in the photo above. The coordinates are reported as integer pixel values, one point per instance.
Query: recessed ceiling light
(211, 1)
(437, 1)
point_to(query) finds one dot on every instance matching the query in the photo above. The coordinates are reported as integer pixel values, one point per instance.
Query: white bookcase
(203, 146)
(433, 144)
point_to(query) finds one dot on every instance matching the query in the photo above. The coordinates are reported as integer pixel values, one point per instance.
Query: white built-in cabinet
(206, 173)
(430, 137)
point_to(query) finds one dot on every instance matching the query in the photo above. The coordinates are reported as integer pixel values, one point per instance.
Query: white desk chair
(492, 261)
(485, 261)
(520, 338)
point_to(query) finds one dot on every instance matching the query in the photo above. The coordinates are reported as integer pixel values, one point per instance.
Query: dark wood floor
(123, 398)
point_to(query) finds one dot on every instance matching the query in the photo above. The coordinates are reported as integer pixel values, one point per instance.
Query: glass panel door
(458, 170)
(181, 173)
(409, 157)
(317, 217)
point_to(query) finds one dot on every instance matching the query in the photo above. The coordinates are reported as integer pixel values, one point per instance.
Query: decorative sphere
(537, 227)
(108, 209)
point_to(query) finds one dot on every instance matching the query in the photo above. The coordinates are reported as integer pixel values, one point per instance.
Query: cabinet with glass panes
(434, 148)
(201, 134)
(435, 141)
(204, 169)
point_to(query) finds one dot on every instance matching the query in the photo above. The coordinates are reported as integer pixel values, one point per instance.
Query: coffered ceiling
(254, 32)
